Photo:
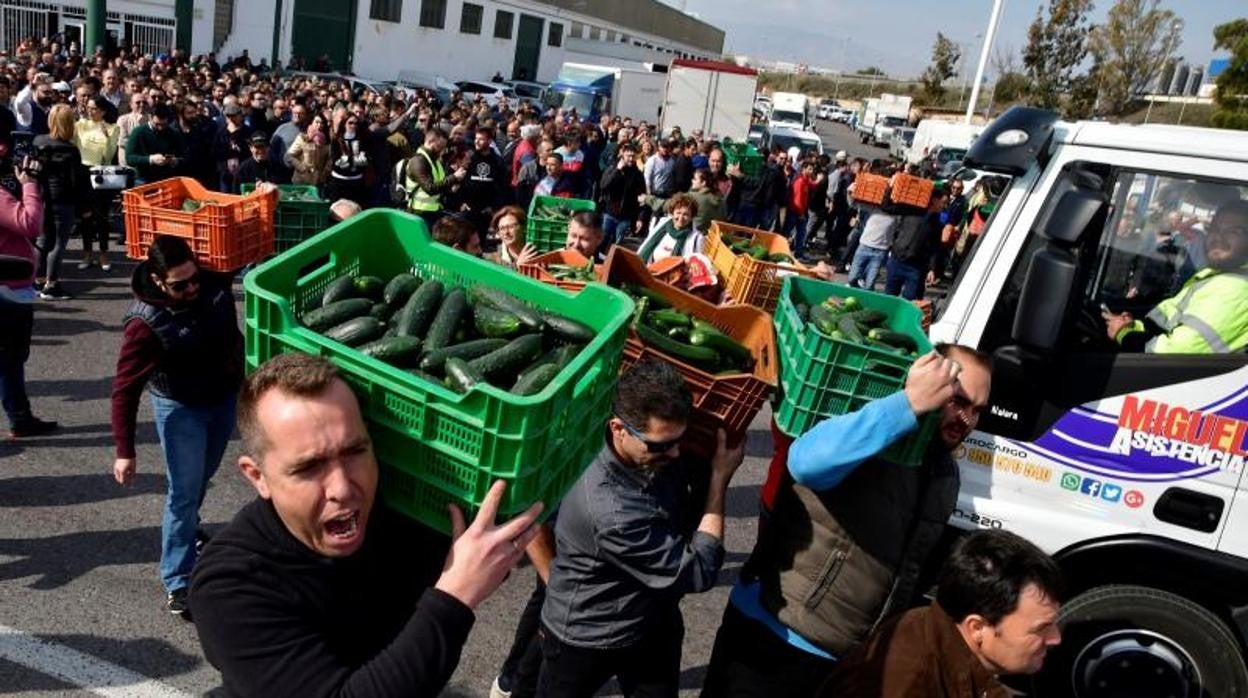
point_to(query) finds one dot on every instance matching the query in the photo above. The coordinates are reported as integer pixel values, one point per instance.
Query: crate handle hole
(314, 267)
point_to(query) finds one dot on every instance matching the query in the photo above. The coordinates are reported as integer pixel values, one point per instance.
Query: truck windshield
(787, 117)
(582, 102)
(894, 121)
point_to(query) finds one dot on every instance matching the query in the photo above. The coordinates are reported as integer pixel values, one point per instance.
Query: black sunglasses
(651, 446)
(182, 284)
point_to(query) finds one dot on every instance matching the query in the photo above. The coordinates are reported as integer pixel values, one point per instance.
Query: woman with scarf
(308, 155)
(350, 166)
(674, 234)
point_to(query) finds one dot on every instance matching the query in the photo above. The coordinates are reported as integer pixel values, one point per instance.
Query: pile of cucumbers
(684, 337)
(193, 205)
(845, 319)
(573, 272)
(460, 337)
(552, 213)
(745, 246)
(300, 195)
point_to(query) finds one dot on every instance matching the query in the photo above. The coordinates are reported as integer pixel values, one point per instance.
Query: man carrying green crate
(311, 590)
(842, 544)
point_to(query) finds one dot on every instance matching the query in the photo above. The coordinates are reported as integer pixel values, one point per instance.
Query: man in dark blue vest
(182, 342)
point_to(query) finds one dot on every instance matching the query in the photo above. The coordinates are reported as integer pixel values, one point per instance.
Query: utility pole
(993, 20)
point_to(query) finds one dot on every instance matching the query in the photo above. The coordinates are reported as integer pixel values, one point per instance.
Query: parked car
(939, 158)
(900, 142)
(529, 92)
(491, 91)
(758, 135)
(788, 138)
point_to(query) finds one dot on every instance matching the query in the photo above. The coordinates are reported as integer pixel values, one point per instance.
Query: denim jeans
(905, 280)
(614, 230)
(866, 266)
(17, 321)
(193, 440)
(795, 230)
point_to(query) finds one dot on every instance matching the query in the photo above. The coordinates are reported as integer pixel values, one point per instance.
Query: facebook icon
(1111, 492)
(1090, 487)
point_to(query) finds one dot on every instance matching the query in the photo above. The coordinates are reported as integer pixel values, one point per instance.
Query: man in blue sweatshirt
(847, 534)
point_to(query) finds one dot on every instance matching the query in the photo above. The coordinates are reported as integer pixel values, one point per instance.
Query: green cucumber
(444, 324)
(896, 339)
(867, 317)
(534, 381)
(398, 351)
(419, 310)
(370, 286)
(381, 311)
(824, 318)
(671, 317)
(699, 356)
(722, 343)
(518, 353)
(435, 361)
(501, 300)
(492, 322)
(560, 356)
(335, 313)
(849, 328)
(567, 329)
(399, 289)
(461, 377)
(357, 331)
(340, 288)
(680, 334)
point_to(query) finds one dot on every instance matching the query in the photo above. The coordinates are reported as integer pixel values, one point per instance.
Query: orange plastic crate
(925, 306)
(228, 232)
(536, 269)
(749, 281)
(870, 188)
(912, 191)
(729, 401)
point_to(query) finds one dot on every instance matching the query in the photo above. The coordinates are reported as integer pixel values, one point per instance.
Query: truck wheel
(1136, 642)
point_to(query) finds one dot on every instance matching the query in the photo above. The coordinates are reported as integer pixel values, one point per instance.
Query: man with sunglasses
(846, 532)
(181, 341)
(623, 558)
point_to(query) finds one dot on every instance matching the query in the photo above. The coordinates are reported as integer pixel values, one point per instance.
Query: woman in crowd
(508, 227)
(674, 234)
(64, 180)
(97, 142)
(308, 155)
(349, 163)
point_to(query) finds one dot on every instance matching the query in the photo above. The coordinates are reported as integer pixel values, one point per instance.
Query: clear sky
(897, 35)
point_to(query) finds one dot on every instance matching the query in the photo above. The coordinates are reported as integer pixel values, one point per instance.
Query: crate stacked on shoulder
(226, 232)
(466, 372)
(841, 347)
(727, 355)
(301, 213)
(752, 262)
(744, 154)
(547, 226)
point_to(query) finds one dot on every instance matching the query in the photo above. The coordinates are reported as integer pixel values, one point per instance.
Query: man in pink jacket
(20, 223)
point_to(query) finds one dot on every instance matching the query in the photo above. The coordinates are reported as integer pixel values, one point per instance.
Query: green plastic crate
(295, 221)
(746, 155)
(436, 446)
(546, 235)
(821, 377)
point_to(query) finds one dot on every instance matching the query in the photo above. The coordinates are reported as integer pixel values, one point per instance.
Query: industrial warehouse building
(522, 39)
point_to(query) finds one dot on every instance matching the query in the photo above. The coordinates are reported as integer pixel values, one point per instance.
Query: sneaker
(38, 285)
(496, 691)
(86, 263)
(178, 603)
(104, 265)
(53, 292)
(31, 427)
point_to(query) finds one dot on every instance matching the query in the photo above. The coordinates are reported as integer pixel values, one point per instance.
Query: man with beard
(848, 532)
(623, 560)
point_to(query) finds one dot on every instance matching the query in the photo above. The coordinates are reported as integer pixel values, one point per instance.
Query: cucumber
(823, 318)
(398, 351)
(849, 328)
(896, 339)
(671, 317)
(700, 356)
(803, 311)
(461, 377)
(419, 310)
(400, 288)
(435, 361)
(567, 329)
(867, 317)
(722, 343)
(370, 286)
(518, 353)
(680, 334)
(560, 356)
(340, 288)
(534, 381)
(492, 322)
(501, 300)
(381, 311)
(444, 324)
(425, 376)
(355, 332)
(335, 313)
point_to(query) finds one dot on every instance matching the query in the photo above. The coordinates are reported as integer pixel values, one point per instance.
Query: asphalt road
(837, 136)
(78, 553)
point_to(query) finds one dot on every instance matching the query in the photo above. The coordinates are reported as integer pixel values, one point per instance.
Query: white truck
(594, 90)
(1127, 467)
(789, 110)
(880, 115)
(931, 133)
(715, 97)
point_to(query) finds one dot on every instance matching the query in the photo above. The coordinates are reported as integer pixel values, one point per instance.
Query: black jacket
(252, 171)
(917, 239)
(63, 178)
(618, 192)
(487, 180)
(278, 619)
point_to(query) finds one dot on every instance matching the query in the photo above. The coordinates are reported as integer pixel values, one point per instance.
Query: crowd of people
(306, 590)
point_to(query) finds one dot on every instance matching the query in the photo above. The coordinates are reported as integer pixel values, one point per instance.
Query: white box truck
(1127, 467)
(716, 97)
(930, 134)
(594, 90)
(789, 110)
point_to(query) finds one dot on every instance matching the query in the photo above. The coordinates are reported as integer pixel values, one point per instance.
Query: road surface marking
(82, 670)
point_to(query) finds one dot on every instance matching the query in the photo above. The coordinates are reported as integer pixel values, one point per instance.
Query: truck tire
(1123, 641)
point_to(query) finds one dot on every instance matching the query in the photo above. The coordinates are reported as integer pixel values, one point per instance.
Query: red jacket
(799, 197)
(20, 224)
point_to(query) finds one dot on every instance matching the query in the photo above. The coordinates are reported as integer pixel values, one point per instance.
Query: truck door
(1083, 440)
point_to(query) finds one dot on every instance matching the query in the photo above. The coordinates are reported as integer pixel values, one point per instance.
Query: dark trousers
(905, 280)
(524, 661)
(750, 661)
(648, 669)
(819, 219)
(95, 228)
(16, 322)
(58, 227)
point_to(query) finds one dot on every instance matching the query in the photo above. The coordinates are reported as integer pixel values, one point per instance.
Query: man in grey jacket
(622, 557)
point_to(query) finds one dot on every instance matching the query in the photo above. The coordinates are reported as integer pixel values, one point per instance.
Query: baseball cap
(232, 109)
(700, 272)
(259, 138)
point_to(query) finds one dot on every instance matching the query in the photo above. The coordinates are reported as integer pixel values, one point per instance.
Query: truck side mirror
(1045, 296)
(1075, 209)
